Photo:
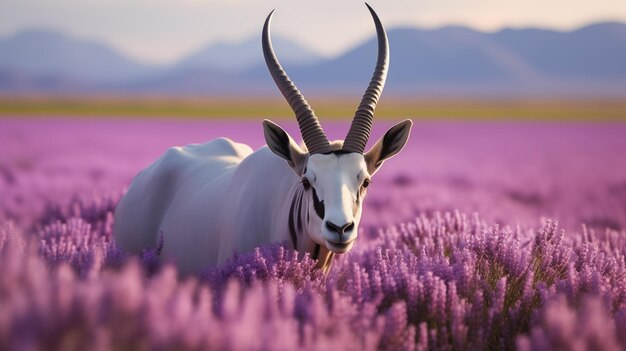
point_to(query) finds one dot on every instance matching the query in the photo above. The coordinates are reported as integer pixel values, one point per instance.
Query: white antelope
(213, 199)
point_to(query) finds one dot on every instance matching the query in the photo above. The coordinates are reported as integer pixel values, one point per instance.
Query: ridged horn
(312, 133)
(361, 126)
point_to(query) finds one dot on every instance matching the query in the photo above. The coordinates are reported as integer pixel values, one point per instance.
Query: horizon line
(280, 36)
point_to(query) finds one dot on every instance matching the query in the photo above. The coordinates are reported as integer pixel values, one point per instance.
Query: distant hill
(239, 56)
(459, 60)
(452, 60)
(16, 82)
(593, 52)
(41, 53)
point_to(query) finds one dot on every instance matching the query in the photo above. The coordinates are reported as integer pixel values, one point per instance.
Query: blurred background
(450, 59)
(493, 88)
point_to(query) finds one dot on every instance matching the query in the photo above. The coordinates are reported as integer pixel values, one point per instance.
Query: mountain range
(452, 60)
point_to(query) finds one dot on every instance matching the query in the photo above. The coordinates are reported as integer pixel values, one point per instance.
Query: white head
(334, 176)
(335, 183)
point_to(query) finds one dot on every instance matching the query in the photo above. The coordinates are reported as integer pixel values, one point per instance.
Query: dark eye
(306, 184)
(366, 183)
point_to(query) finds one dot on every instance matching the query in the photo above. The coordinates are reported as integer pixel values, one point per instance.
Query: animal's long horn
(361, 126)
(314, 137)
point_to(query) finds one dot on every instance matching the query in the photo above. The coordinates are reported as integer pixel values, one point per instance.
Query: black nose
(339, 229)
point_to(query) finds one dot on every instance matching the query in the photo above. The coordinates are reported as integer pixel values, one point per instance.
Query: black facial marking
(292, 229)
(299, 212)
(318, 205)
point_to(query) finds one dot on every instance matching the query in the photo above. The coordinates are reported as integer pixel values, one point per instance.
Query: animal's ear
(387, 146)
(283, 146)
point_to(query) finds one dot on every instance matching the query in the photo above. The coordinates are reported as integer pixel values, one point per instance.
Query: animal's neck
(298, 235)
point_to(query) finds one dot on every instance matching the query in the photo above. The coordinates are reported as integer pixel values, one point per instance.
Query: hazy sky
(162, 31)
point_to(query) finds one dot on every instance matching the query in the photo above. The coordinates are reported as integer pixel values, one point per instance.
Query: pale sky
(162, 31)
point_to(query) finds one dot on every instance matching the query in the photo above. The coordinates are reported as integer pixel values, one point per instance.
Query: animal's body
(213, 199)
(165, 198)
(193, 194)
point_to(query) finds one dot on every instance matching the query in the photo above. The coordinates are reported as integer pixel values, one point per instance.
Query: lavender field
(480, 235)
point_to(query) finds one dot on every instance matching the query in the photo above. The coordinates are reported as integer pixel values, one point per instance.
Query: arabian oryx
(211, 200)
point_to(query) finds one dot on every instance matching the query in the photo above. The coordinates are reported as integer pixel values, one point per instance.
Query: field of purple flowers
(490, 235)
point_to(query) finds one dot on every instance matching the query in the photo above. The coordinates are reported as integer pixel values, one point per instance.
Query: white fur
(337, 180)
(211, 200)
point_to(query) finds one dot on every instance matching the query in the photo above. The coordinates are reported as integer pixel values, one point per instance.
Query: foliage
(417, 279)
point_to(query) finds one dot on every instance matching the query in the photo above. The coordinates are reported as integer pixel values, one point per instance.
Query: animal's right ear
(284, 146)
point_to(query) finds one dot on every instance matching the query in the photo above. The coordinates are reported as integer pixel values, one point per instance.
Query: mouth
(338, 247)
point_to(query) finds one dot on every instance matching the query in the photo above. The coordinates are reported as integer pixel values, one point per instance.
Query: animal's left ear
(387, 146)
(284, 146)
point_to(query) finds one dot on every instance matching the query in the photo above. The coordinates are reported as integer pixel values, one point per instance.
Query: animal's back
(179, 196)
